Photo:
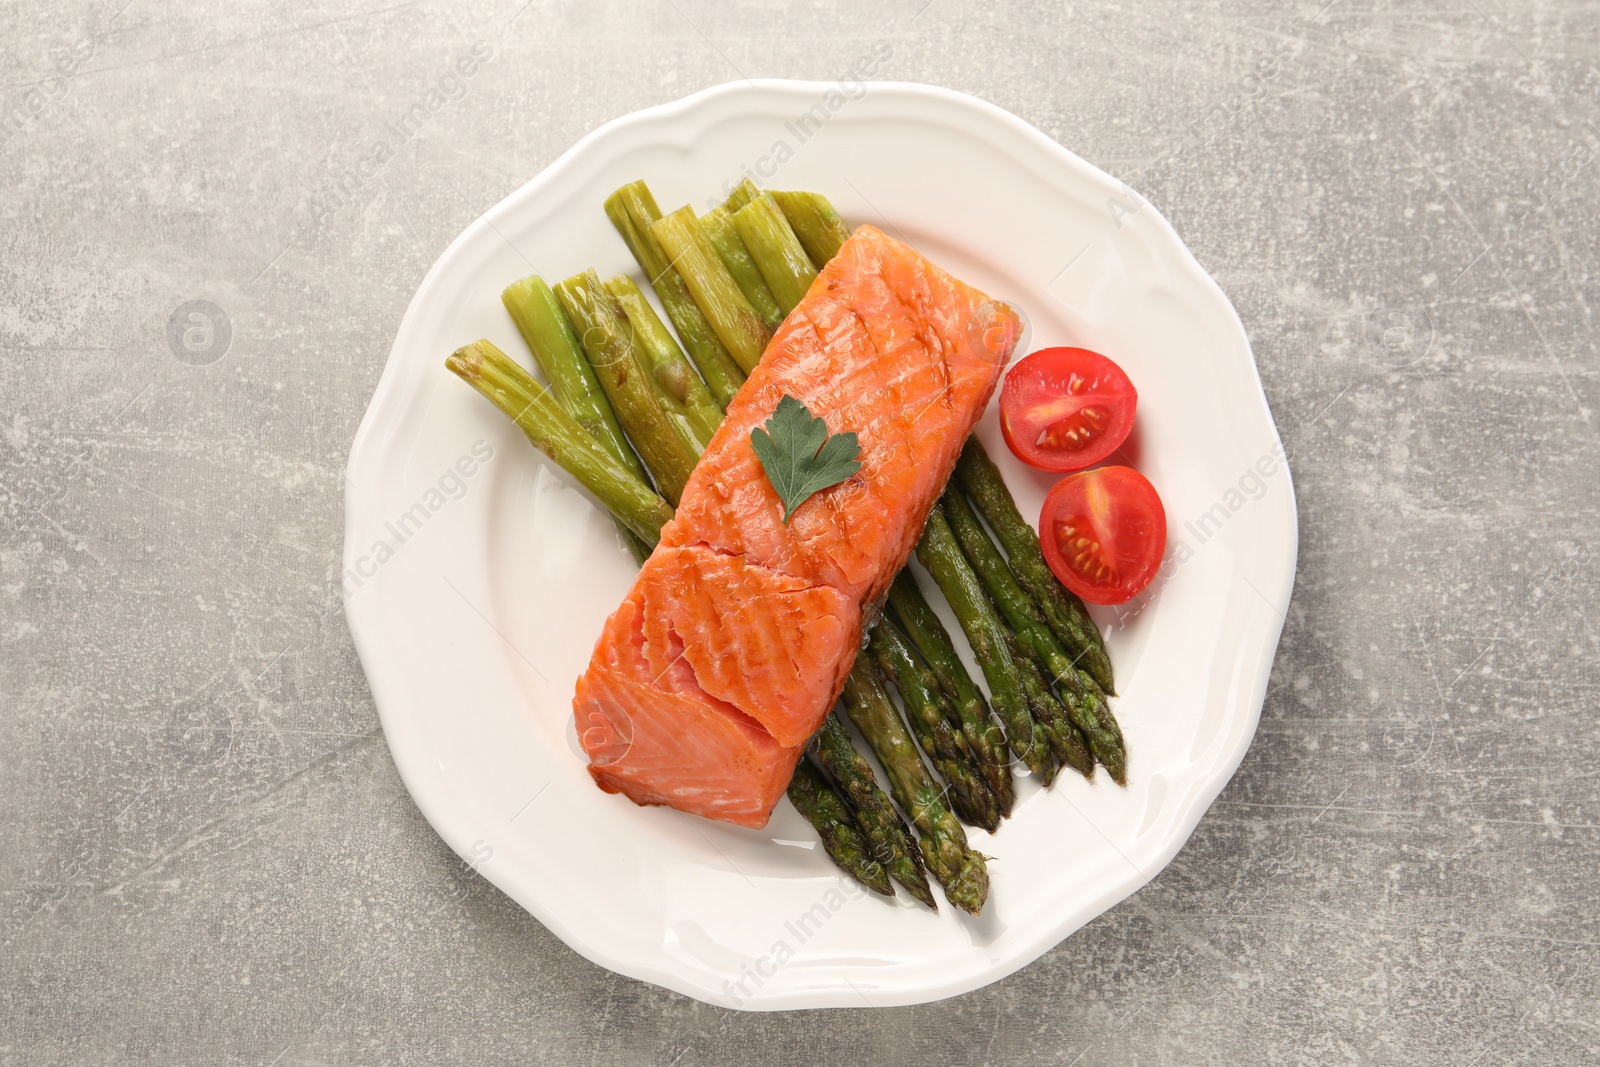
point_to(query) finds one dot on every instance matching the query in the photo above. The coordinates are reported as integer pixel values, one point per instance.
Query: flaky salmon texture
(734, 643)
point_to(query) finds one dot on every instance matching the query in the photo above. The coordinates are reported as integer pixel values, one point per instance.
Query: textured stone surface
(206, 855)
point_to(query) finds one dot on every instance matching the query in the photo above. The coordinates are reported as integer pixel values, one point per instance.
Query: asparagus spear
(984, 739)
(969, 796)
(742, 194)
(819, 227)
(736, 323)
(1067, 617)
(776, 250)
(718, 226)
(549, 336)
(986, 634)
(665, 445)
(960, 870)
(632, 209)
(678, 387)
(815, 799)
(1065, 741)
(886, 833)
(1087, 707)
(1090, 715)
(555, 433)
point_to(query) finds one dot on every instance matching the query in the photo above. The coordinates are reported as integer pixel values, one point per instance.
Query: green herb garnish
(799, 455)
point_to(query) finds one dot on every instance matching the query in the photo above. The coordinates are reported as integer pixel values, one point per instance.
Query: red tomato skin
(1095, 394)
(1132, 519)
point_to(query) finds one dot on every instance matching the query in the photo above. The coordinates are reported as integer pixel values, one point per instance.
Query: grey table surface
(206, 855)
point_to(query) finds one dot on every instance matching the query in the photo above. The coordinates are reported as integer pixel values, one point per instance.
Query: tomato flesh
(1064, 409)
(1103, 533)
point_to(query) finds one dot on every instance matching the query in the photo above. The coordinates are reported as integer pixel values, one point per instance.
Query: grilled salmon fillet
(736, 638)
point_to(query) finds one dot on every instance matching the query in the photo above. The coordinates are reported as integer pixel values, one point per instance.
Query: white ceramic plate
(477, 577)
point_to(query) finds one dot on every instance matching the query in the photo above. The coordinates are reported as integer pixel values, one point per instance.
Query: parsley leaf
(799, 456)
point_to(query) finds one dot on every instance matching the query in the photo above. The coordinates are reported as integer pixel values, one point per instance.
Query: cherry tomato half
(1064, 409)
(1103, 533)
